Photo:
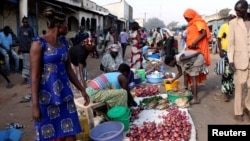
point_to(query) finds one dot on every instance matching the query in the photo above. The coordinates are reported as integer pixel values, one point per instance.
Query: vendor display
(174, 125)
(155, 77)
(146, 90)
(152, 66)
(155, 102)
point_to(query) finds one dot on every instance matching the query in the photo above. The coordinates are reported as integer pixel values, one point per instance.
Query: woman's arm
(35, 65)
(183, 57)
(179, 74)
(81, 68)
(197, 40)
(75, 81)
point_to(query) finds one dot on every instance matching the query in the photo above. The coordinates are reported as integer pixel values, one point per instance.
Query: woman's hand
(221, 53)
(36, 113)
(232, 67)
(193, 46)
(86, 98)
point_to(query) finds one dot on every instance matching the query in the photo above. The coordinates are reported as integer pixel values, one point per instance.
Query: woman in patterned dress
(136, 51)
(112, 88)
(53, 107)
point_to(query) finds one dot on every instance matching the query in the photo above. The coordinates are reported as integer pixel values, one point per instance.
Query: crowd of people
(57, 72)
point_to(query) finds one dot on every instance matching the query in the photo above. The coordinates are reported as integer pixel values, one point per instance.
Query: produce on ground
(175, 126)
(146, 90)
(135, 113)
(179, 92)
(155, 102)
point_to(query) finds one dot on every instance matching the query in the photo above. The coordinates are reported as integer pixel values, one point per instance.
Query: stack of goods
(146, 90)
(155, 102)
(152, 66)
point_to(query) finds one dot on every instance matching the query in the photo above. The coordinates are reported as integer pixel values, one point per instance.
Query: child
(9, 85)
(193, 64)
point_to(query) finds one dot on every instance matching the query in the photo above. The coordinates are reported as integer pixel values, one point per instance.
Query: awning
(99, 12)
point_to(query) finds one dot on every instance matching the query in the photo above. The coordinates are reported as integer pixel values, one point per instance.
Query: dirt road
(211, 110)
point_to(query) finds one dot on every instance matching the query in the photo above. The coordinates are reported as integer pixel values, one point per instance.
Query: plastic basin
(107, 131)
(153, 79)
(120, 114)
(172, 85)
(172, 97)
(155, 55)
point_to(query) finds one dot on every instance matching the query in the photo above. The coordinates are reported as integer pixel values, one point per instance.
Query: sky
(172, 10)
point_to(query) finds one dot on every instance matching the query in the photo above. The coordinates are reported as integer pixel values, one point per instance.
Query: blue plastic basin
(107, 131)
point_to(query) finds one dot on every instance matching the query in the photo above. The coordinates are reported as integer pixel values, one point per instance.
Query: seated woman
(193, 63)
(112, 88)
(111, 60)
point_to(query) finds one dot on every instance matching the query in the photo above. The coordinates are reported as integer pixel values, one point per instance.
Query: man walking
(123, 37)
(239, 56)
(80, 36)
(25, 38)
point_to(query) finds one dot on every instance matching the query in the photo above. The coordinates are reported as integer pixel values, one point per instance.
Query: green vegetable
(146, 101)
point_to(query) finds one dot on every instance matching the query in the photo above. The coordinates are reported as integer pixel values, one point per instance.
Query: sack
(220, 67)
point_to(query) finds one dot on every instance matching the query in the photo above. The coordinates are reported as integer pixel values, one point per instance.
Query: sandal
(10, 85)
(15, 125)
(26, 98)
(192, 102)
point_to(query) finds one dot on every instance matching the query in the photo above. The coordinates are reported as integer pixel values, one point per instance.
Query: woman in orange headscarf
(198, 36)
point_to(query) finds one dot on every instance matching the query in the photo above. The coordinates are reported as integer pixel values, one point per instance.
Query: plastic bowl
(154, 79)
(107, 131)
(172, 97)
(155, 55)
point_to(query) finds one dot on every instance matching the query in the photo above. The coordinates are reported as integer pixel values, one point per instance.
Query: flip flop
(15, 125)
(26, 98)
(192, 102)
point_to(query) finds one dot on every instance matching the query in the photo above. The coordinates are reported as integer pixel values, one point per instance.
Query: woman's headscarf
(194, 16)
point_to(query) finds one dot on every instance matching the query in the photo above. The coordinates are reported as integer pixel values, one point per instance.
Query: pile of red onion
(174, 127)
(135, 113)
(146, 90)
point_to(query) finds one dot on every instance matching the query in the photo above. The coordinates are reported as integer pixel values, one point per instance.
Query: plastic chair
(89, 110)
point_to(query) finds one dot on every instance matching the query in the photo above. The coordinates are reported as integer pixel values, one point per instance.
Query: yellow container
(84, 136)
(172, 85)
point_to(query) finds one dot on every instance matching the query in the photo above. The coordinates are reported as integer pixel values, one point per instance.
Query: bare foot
(194, 101)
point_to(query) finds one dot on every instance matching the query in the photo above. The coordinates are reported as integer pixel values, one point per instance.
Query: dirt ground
(211, 110)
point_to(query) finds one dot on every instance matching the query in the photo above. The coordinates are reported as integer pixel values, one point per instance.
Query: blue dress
(59, 114)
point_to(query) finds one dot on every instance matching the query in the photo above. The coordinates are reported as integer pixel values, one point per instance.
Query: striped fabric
(99, 82)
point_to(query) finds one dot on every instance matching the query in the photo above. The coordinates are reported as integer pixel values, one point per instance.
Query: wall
(113, 9)
(9, 17)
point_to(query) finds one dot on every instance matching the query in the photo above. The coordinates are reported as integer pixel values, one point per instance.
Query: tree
(154, 23)
(224, 12)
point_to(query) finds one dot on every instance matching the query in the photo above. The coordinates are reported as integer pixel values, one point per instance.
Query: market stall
(154, 124)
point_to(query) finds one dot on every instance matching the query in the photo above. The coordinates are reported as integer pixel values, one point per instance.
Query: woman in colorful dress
(136, 51)
(53, 107)
(198, 36)
(112, 88)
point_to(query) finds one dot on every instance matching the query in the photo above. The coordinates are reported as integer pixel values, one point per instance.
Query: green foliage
(154, 23)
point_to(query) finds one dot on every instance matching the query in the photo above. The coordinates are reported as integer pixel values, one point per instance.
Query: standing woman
(198, 36)
(53, 107)
(78, 56)
(136, 51)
